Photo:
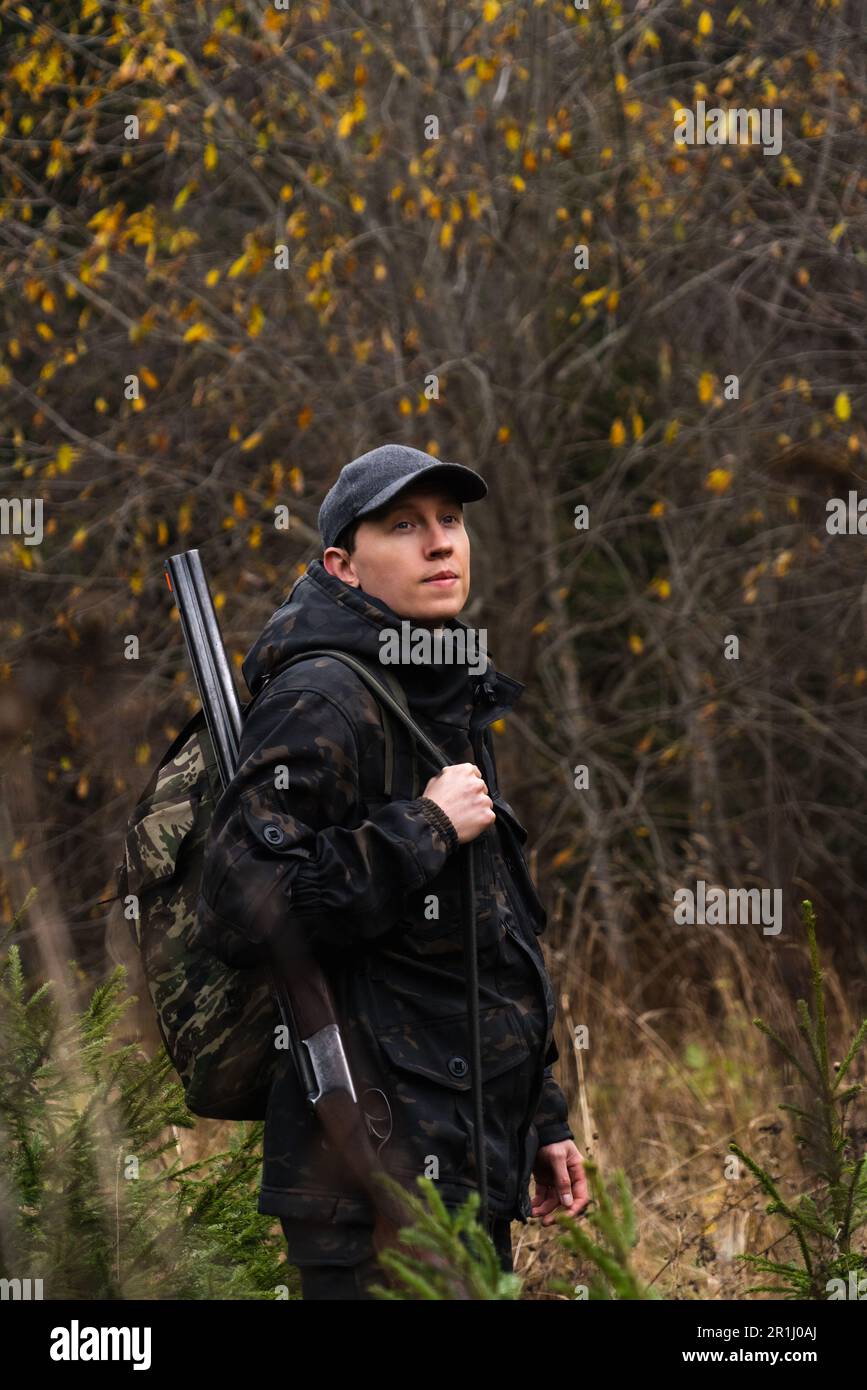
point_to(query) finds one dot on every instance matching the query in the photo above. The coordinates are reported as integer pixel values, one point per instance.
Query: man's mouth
(444, 578)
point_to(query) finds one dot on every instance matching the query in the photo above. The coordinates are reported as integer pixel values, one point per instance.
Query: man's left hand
(561, 1184)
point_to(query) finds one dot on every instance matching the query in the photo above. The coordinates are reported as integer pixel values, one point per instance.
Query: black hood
(322, 611)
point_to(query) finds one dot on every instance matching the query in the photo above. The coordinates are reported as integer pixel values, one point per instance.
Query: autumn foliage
(333, 225)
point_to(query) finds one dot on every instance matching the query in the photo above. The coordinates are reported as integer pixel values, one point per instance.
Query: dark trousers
(333, 1281)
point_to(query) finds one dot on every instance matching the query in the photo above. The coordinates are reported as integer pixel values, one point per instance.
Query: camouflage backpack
(217, 1023)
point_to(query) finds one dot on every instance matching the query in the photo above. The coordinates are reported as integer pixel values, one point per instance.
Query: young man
(374, 883)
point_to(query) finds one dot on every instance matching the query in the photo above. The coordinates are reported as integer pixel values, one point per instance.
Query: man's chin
(431, 614)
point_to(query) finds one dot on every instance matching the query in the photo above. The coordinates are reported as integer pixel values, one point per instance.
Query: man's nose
(440, 539)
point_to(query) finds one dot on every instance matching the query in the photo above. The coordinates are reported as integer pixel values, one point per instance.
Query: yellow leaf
(661, 587)
(783, 563)
(672, 430)
(499, 726)
(196, 333)
(842, 406)
(636, 646)
(617, 434)
(718, 480)
(237, 266)
(637, 426)
(211, 156)
(705, 387)
(658, 509)
(251, 441)
(65, 457)
(303, 418)
(345, 124)
(593, 296)
(490, 10)
(705, 23)
(836, 232)
(255, 321)
(357, 202)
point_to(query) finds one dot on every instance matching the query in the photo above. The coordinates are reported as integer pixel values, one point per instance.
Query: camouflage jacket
(374, 884)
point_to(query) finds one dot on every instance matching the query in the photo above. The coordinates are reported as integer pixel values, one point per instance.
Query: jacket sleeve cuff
(554, 1134)
(551, 1118)
(438, 818)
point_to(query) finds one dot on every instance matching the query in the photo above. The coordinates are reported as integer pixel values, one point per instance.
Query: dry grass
(660, 1092)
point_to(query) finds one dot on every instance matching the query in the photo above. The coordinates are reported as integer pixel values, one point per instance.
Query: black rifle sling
(390, 693)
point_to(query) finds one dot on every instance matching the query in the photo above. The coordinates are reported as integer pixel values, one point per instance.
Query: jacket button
(273, 834)
(458, 1066)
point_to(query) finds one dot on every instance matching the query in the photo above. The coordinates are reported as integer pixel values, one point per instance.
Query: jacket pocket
(440, 1050)
(430, 1089)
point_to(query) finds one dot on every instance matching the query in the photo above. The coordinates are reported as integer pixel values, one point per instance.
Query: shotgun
(303, 995)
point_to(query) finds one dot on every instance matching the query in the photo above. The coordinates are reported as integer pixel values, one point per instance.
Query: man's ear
(339, 564)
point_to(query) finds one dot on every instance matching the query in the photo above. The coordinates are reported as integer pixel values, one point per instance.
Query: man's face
(398, 550)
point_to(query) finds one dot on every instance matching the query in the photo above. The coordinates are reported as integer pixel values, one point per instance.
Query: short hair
(346, 539)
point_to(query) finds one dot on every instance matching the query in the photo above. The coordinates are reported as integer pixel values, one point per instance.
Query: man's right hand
(460, 791)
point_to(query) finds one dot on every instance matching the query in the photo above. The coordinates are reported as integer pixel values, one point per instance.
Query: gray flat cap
(379, 475)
